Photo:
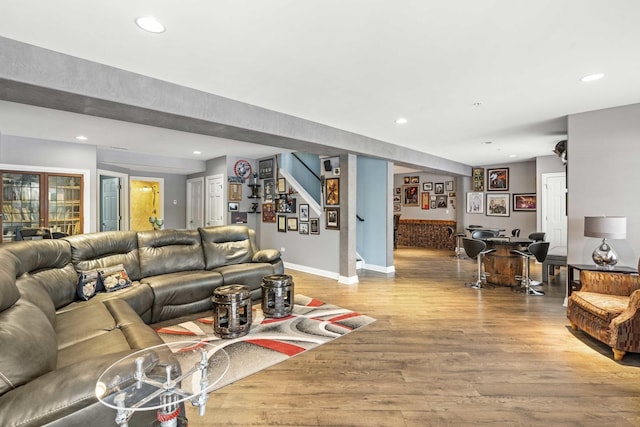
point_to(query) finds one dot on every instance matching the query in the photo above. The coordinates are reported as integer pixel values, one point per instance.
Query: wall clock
(242, 169)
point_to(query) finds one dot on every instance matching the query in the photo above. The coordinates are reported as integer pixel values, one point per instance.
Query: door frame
(124, 197)
(160, 182)
(202, 196)
(544, 193)
(207, 197)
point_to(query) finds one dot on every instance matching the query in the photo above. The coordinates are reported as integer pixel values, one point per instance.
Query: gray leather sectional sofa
(53, 346)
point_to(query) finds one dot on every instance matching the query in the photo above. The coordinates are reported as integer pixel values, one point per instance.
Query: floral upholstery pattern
(607, 307)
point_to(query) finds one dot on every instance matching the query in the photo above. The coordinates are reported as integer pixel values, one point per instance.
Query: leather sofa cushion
(181, 288)
(65, 397)
(27, 345)
(250, 274)
(106, 249)
(169, 251)
(32, 290)
(225, 245)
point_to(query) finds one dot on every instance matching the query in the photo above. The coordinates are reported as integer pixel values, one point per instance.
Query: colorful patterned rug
(272, 341)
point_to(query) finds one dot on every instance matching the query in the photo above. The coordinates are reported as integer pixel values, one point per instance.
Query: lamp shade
(605, 227)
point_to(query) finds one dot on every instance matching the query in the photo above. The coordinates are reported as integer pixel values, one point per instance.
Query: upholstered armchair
(607, 307)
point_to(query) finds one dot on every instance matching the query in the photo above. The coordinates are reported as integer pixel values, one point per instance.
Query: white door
(554, 208)
(195, 203)
(214, 212)
(109, 203)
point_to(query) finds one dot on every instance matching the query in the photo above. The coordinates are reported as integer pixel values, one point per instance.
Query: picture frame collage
(424, 195)
(497, 201)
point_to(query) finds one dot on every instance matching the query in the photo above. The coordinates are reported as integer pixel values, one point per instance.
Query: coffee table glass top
(149, 378)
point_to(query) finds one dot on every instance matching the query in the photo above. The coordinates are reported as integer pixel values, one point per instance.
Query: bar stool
(538, 236)
(483, 234)
(458, 236)
(476, 249)
(537, 250)
(515, 232)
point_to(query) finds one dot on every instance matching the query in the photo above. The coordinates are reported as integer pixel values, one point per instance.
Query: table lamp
(605, 227)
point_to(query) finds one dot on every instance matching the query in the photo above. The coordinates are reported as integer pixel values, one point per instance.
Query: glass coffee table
(162, 378)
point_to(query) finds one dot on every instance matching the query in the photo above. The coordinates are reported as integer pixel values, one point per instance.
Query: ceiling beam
(45, 78)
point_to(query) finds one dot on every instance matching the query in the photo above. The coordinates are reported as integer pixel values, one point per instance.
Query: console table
(574, 283)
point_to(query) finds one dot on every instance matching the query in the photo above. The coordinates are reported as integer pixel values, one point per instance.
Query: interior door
(214, 212)
(195, 203)
(554, 208)
(109, 203)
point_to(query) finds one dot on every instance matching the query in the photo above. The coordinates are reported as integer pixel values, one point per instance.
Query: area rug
(271, 341)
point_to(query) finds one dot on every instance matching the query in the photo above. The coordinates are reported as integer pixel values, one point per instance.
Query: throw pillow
(88, 284)
(114, 278)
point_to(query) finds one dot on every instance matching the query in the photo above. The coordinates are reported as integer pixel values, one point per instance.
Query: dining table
(502, 265)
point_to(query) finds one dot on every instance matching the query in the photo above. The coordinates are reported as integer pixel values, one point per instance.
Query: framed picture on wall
(333, 218)
(332, 191)
(477, 179)
(292, 223)
(475, 202)
(282, 186)
(314, 225)
(441, 201)
(497, 204)
(498, 179)
(304, 212)
(427, 186)
(282, 223)
(304, 228)
(268, 212)
(448, 185)
(439, 188)
(233, 207)
(425, 200)
(525, 202)
(235, 192)
(433, 204)
(265, 168)
(410, 195)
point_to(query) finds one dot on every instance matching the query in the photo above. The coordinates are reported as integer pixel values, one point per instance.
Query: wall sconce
(605, 227)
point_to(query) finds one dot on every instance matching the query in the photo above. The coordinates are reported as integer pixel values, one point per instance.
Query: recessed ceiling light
(149, 23)
(592, 77)
(81, 138)
(486, 142)
(401, 121)
(197, 152)
(513, 155)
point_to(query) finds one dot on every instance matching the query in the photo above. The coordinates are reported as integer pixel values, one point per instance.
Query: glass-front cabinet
(50, 202)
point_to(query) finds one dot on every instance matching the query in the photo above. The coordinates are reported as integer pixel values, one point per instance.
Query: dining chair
(537, 250)
(482, 234)
(458, 236)
(538, 236)
(515, 232)
(476, 249)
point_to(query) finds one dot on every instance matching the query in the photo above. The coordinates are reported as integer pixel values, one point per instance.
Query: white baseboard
(311, 270)
(348, 280)
(380, 268)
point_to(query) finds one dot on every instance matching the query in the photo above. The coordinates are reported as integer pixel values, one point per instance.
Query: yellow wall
(145, 202)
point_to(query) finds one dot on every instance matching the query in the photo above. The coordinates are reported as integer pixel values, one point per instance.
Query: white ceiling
(355, 65)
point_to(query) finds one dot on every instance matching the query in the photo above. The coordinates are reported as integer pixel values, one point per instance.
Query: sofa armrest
(604, 282)
(266, 255)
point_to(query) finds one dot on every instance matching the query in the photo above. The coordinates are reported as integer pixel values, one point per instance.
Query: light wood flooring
(439, 354)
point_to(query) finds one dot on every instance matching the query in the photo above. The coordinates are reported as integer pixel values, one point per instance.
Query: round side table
(162, 378)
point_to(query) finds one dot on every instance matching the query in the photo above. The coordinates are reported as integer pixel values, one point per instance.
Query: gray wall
(522, 179)
(602, 177)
